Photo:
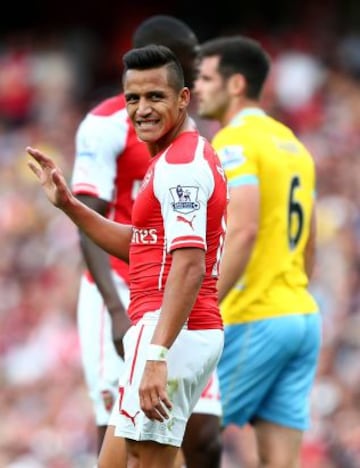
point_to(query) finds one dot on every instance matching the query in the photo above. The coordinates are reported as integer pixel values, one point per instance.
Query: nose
(144, 107)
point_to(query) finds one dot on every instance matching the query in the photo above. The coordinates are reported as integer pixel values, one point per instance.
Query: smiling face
(155, 108)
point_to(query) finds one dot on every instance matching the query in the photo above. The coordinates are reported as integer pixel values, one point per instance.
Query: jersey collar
(246, 112)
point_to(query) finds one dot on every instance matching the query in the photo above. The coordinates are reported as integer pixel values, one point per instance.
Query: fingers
(35, 153)
(55, 174)
(31, 150)
(47, 167)
(162, 410)
(154, 407)
(154, 400)
(43, 160)
(34, 169)
(57, 177)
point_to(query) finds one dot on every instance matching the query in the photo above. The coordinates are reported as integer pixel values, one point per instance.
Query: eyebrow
(148, 94)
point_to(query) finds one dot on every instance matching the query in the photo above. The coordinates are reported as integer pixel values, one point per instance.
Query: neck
(235, 107)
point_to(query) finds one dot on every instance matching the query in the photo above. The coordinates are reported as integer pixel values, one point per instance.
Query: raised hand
(50, 177)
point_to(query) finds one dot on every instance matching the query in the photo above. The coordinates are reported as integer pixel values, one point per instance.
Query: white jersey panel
(183, 191)
(99, 141)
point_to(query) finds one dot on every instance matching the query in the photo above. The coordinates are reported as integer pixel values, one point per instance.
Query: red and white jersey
(181, 203)
(110, 162)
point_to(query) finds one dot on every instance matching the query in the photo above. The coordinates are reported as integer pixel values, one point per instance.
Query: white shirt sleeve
(183, 191)
(99, 142)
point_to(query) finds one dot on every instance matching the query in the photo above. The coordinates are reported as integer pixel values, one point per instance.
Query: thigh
(202, 445)
(278, 445)
(288, 402)
(254, 355)
(101, 363)
(209, 401)
(186, 379)
(150, 454)
(192, 363)
(113, 451)
(90, 311)
(240, 446)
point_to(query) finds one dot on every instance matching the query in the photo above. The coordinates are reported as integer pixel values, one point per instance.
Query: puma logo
(186, 221)
(127, 415)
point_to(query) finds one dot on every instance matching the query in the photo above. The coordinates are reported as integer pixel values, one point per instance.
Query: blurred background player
(109, 166)
(272, 324)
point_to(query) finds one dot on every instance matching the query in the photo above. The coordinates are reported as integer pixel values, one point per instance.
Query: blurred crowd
(46, 419)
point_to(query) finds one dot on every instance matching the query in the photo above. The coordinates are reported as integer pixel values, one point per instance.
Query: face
(154, 107)
(210, 89)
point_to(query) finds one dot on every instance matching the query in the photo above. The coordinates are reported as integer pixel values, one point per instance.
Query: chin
(202, 114)
(205, 115)
(147, 138)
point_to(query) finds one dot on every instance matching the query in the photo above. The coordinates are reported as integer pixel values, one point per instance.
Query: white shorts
(102, 365)
(209, 401)
(191, 361)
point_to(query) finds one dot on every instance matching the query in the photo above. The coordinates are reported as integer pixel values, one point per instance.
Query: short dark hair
(155, 56)
(240, 54)
(171, 32)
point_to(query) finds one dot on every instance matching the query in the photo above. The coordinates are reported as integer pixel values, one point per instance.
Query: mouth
(144, 124)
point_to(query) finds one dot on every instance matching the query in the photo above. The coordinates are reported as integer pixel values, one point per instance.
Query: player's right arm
(243, 211)
(242, 227)
(113, 237)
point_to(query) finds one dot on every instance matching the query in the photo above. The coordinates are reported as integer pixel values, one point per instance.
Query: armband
(156, 353)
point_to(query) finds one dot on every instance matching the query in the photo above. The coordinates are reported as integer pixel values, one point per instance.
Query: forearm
(181, 290)
(112, 237)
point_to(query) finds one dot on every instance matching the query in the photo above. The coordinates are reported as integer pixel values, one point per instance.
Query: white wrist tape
(156, 353)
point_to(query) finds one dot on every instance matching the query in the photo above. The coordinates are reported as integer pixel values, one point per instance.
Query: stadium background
(57, 60)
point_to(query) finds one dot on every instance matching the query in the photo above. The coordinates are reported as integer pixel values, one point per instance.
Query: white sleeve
(183, 191)
(99, 141)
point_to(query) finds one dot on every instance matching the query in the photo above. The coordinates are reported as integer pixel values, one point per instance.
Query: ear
(184, 98)
(237, 84)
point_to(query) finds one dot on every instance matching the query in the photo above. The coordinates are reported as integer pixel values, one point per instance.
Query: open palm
(50, 177)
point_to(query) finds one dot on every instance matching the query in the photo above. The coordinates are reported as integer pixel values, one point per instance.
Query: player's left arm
(185, 233)
(242, 228)
(182, 287)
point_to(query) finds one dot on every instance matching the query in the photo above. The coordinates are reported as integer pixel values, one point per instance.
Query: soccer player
(110, 164)
(174, 248)
(272, 323)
